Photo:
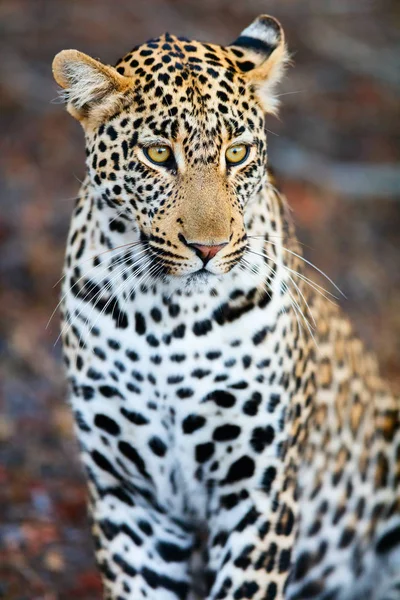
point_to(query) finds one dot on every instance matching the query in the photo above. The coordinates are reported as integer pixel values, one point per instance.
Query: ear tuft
(88, 85)
(263, 58)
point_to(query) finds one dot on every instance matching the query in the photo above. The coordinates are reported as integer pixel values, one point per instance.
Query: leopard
(237, 437)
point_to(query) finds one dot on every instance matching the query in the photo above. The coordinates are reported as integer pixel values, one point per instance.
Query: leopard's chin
(201, 281)
(198, 281)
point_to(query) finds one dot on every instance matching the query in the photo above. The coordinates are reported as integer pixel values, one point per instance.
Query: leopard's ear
(91, 90)
(262, 56)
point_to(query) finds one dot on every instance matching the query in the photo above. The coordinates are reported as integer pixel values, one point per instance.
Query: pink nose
(206, 253)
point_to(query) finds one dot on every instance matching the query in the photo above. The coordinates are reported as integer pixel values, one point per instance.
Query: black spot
(222, 96)
(389, 540)
(225, 433)
(111, 132)
(202, 327)
(152, 340)
(246, 65)
(95, 375)
(132, 355)
(172, 553)
(274, 400)
(178, 358)
(192, 422)
(284, 560)
(213, 355)
(200, 373)
(87, 392)
(221, 398)
(271, 591)
(81, 249)
(109, 529)
(109, 425)
(225, 313)
(268, 478)
(262, 437)
(204, 452)
(310, 590)
(174, 310)
(133, 388)
(243, 561)
(136, 539)
(179, 331)
(158, 446)
(249, 519)
(347, 537)
(339, 513)
(99, 353)
(156, 314)
(174, 379)
(246, 360)
(134, 417)
(302, 565)
(246, 590)
(145, 527)
(229, 501)
(184, 393)
(250, 407)
(133, 455)
(119, 493)
(242, 468)
(140, 324)
(214, 74)
(109, 392)
(260, 336)
(80, 421)
(240, 385)
(116, 225)
(126, 568)
(104, 464)
(154, 580)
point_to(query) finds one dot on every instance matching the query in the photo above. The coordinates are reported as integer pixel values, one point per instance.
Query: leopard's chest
(195, 394)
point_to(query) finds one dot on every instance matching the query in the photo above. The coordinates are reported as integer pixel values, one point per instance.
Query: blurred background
(336, 152)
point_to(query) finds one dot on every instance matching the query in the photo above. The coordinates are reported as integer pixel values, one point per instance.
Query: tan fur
(92, 90)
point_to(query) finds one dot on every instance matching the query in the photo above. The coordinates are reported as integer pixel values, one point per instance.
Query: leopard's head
(176, 141)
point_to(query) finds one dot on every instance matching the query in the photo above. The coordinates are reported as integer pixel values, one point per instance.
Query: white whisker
(308, 263)
(294, 283)
(133, 244)
(104, 289)
(86, 274)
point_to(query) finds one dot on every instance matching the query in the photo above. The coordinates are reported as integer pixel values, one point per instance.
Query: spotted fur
(237, 438)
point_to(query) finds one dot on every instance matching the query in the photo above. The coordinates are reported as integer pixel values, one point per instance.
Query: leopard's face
(176, 141)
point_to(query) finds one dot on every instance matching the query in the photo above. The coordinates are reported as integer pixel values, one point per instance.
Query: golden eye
(158, 154)
(236, 154)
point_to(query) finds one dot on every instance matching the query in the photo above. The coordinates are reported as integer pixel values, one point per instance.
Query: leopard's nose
(206, 252)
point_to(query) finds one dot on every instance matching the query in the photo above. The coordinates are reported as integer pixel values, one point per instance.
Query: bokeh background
(336, 152)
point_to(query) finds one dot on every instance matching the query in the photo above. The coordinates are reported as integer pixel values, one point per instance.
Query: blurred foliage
(336, 149)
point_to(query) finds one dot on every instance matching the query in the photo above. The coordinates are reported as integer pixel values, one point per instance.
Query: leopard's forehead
(200, 86)
(173, 56)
